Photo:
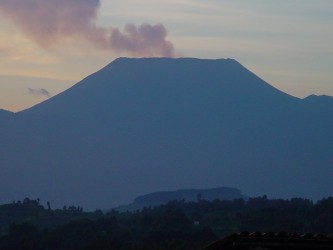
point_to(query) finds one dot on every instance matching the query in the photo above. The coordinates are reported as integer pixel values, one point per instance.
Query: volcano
(144, 125)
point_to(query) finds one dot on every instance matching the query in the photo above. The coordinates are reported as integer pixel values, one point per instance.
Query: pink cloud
(48, 22)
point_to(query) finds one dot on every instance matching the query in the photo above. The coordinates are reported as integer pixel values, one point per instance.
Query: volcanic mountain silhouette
(144, 125)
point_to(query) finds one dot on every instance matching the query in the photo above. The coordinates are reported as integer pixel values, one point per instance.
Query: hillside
(186, 195)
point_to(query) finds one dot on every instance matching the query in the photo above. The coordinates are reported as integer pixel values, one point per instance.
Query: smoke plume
(48, 22)
(146, 40)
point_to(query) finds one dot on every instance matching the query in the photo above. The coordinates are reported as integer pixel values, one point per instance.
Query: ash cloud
(48, 22)
(39, 92)
(146, 40)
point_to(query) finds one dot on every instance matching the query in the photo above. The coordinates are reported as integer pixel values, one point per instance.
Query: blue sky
(287, 43)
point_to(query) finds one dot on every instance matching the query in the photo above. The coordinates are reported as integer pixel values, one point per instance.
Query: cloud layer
(48, 22)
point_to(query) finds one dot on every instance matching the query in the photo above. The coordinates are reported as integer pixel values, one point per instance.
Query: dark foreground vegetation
(177, 225)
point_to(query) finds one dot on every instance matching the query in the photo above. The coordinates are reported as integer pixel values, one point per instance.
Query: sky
(46, 46)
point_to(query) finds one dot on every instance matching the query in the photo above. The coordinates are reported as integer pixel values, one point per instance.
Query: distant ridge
(4, 114)
(141, 125)
(323, 101)
(187, 195)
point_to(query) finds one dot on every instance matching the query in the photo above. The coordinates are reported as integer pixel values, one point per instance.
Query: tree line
(176, 225)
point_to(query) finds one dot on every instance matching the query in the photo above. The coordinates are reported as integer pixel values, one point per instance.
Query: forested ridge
(176, 225)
